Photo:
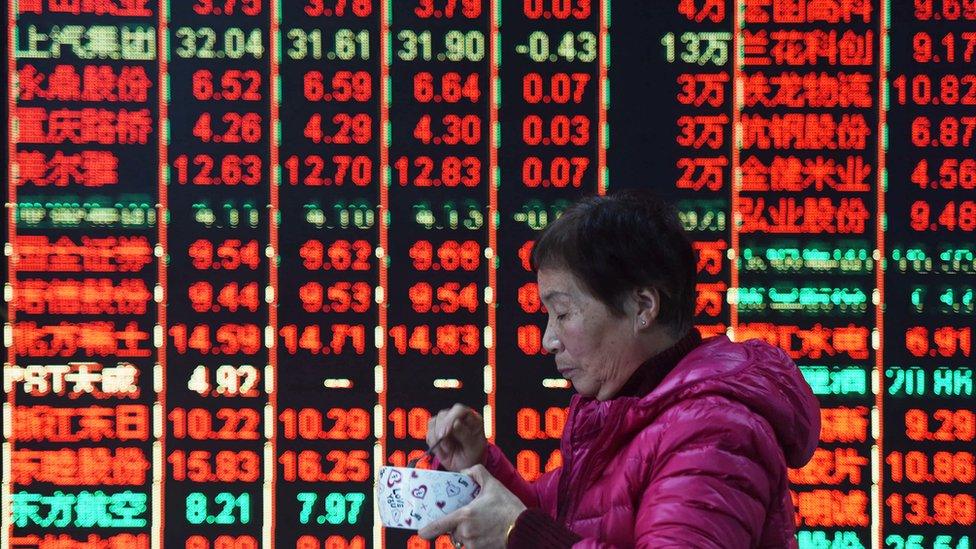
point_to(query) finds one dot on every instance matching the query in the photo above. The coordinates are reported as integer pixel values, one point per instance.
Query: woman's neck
(649, 374)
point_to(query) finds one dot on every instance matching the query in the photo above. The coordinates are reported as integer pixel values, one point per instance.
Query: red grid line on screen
(601, 131)
(6, 525)
(736, 160)
(163, 189)
(380, 455)
(877, 507)
(272, 471)
(493, 128)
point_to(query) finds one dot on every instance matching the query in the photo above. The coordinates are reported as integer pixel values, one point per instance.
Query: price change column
(217, 374)
(438, 220)
(330, 177)
(549, 156)
(807, 225)
(78, 375)
(928, 383)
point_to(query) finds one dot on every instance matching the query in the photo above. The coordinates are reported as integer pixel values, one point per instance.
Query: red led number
(959, 215)
(230, 297)
(951, 425)
(558, 9)
(559, 172)
(345, 130)
(338, 8)
(951, 10)
(331, 542)
(452, 171)
(410, 423)
(559, 130)
(309, 424)
(453, 130)
(222, 466)
(451, 88)
(239, 128)
(560, 88)
(449, 339)
(450, 255)
(234, 85)
(231, 254)
(231, 169)
(227, 7)
(344, 86)
(309, 339)
(227, 339)
(946, 509)
(222, 542)
(341, 255)
(222, 424)
(342, 297)
(953, 173)
(309, 466)
(451, 297)
(314, 171)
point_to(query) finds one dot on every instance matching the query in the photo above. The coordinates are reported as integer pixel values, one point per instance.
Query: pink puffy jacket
(699, 462)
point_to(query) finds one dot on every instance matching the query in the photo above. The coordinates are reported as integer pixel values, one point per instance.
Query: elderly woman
(671, 441)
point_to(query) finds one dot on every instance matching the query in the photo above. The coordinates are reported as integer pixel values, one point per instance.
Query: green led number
(232, 509)
(205, 43)
(348, 45)
(458, 46)
(578, 46)
(338, 508)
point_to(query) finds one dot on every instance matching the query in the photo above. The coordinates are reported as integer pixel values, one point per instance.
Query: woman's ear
(648, 306)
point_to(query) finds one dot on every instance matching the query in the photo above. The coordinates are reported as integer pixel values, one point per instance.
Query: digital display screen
(253, 245)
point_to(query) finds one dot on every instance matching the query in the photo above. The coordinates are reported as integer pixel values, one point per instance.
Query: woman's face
(594, 349)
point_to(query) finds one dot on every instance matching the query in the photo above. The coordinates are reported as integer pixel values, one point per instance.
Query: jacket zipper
(561, 500)
(568, 494)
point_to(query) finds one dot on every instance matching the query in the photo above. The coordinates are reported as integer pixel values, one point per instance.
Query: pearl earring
(643, 322)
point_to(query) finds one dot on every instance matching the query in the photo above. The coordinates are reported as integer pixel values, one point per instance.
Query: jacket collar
(650, 374)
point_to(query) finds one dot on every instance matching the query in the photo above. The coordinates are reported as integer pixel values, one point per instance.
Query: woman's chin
(583, 388)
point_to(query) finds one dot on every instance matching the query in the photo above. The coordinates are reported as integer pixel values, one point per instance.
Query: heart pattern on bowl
(394, 478)
(413, 498)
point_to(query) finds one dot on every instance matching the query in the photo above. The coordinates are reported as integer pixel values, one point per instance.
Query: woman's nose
(550, 342)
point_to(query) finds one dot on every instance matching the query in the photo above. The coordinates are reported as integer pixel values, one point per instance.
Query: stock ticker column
(441, 138)
(551, 152)
(79, 370)
(808, 232)
(328, 282)
(928, 378)
(219, 188)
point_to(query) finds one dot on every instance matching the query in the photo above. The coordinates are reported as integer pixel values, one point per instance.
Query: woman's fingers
(454, 432)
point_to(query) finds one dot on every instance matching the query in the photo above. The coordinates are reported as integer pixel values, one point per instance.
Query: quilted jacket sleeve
(541, 493)
(711, 485)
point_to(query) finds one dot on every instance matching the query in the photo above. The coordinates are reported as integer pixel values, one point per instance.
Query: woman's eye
(560, 317)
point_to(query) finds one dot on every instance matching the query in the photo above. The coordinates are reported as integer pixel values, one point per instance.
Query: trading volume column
(216, 416)
(706, 153)
(330, 177)
(807, 225)
(438, 219)
(687, 63)
(928, 380)
(549, 156)
(78, 375)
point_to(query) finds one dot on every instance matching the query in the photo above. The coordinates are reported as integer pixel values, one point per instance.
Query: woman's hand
(485, 522)
(461, 431)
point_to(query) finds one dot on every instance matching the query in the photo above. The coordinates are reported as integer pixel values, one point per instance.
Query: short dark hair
(617, 243)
